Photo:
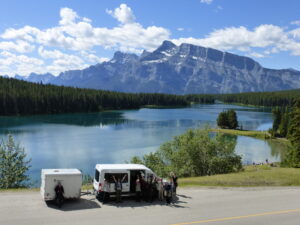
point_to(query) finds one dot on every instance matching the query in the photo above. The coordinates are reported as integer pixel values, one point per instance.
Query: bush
(194, 153)
(13, 164)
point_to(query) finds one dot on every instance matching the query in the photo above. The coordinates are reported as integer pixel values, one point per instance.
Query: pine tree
(277, 118)
(232, 119)
(13, 164)
(222, 120)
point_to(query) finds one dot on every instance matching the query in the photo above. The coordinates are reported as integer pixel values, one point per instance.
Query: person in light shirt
(138, 189)
(106, 187)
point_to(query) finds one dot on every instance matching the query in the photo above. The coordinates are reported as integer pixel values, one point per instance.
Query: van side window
(97, 175)
(110, 179)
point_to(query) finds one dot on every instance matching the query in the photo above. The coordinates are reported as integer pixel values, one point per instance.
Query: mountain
(177, 70)
(37, 78)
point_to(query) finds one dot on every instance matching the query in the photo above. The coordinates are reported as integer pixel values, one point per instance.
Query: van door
(134, 174)
(96, 180)
(121, 175)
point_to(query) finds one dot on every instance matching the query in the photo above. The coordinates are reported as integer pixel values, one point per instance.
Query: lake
(82, 140)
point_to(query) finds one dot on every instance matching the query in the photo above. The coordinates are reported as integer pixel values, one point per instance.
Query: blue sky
(58, 35)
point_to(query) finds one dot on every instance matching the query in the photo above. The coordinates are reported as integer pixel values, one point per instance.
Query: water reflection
(257, 151)
(87, 119)
(82, 140)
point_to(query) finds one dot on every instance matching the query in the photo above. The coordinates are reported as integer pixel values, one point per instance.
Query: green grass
(19, 189)
(252, 176)
(86, 187)
(249, 133)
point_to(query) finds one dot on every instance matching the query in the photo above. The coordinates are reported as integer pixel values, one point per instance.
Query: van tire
(96, 195)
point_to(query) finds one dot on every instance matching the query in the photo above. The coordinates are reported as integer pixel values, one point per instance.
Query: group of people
(145, 189)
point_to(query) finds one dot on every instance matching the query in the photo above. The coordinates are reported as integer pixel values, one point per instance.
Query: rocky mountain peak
(122, 57)
(166, 46)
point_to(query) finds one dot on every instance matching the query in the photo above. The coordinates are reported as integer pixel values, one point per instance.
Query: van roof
(121, 167)
(60, 171)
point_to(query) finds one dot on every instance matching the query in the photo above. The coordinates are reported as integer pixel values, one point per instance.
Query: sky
(58, 35)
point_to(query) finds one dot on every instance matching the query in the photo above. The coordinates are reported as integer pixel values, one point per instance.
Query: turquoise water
(82, 140)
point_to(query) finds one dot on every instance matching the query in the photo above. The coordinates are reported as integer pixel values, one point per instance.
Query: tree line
(286, 124)
(269, 99)
(24, 98)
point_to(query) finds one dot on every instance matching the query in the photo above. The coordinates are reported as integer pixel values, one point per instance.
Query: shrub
(194, 153)
(13, 164)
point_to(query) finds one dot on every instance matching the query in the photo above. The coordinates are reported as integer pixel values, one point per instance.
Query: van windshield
(110, 179)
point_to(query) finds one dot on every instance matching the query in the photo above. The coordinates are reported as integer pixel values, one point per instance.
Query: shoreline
(262, 135)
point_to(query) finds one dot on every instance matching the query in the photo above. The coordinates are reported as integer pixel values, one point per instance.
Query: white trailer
(71, 180)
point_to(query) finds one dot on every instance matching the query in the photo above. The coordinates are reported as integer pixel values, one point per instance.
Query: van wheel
(97, 196)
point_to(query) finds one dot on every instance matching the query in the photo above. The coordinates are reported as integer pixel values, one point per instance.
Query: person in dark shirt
(174, 180)
(59, 194)
(168, 192)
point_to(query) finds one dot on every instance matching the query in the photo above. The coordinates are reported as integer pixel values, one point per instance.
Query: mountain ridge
(176, 69)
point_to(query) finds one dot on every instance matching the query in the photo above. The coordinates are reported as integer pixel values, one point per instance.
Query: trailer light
(100, 187)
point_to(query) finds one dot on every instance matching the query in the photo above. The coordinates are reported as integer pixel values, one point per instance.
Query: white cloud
(68, 16)
(123, 14)
(18, 46)
(296, 22)
(256, 55)
(266, 37)
(206, 1)
(11, 64)
(180, 29)
(92, 58)
(77, 34)
(26, 33)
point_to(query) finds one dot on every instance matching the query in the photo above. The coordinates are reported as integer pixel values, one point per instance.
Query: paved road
(234, 206)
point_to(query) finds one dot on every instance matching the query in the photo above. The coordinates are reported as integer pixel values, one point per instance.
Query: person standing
(174, 181)
(118, 187)
(150, 189)
(138, 190)
(168, 191)
(59, 194)
(160, 188)
(106, 189)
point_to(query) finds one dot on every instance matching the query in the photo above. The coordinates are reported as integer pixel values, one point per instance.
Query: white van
(129, 171)
(70, 179)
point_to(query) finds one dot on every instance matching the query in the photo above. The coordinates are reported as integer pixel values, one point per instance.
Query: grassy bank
(249, 133)
(252, 176)
(19, 189)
